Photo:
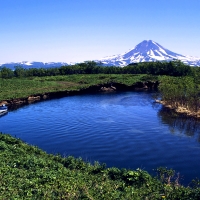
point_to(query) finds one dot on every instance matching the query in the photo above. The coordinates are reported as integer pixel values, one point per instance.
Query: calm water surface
(126, 130)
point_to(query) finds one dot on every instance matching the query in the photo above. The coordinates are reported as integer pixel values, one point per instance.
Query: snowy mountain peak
(146, 51)
(147, 45)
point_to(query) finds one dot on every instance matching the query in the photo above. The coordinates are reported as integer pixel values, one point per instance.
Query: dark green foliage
(6, 73)
(172, 68)
(19, 72)
(27, 172)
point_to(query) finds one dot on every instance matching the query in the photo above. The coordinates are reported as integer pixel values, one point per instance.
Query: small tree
(19, 71)
(6, 72)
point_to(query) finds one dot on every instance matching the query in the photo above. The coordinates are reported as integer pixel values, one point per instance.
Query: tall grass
(181, 92)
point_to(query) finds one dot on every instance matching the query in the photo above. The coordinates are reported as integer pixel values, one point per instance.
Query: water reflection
(180, 124)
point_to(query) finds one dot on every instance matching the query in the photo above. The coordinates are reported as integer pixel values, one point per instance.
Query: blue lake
(125, 130)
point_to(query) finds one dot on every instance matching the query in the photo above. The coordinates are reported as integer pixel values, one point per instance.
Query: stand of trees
(172, 68)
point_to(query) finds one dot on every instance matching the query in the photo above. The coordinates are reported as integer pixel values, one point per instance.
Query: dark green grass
(26, 172)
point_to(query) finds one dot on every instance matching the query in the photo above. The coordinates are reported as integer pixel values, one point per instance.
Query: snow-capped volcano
(148, 51)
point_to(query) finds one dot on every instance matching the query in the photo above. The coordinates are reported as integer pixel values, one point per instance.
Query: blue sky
(80, 30)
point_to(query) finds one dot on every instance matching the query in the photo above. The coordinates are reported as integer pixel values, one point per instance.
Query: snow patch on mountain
(27, 64)
(147, 51)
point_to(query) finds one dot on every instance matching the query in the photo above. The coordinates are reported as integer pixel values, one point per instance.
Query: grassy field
(24, 87)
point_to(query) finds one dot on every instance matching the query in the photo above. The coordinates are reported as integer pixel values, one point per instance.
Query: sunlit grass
(27, 172)
(24, 87)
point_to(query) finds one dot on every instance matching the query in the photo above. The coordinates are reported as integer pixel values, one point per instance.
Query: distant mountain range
(146, 51)
(26, 64)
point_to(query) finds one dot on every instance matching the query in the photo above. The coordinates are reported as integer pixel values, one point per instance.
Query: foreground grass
(27, 172)
(24, 87)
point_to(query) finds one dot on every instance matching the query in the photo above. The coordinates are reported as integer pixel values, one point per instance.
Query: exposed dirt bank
(108, 87)
(180, 109)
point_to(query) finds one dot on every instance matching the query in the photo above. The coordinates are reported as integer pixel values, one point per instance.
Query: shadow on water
(189, 126)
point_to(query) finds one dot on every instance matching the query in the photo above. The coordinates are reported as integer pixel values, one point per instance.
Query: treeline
(172, 68)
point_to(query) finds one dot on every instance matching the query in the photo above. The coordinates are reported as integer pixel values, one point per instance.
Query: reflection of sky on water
(135, 131)
(120, 129)
(127, 100)
(105, 120)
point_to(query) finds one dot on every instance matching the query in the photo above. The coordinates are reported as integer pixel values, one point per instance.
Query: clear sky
(80, 30)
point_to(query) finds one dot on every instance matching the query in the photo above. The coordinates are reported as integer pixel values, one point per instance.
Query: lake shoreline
(100, 88)
(180, 109)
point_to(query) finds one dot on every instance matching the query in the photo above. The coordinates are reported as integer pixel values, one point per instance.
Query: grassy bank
(27, 172)
(178, 93)
(181, 94)
(24, 87)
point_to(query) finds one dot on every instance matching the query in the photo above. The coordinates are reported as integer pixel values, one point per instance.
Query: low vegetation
(26, 172)
(181, 93)
(23, 87)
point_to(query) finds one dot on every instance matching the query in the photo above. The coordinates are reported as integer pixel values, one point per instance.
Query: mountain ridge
(33, 64)
(145, 51)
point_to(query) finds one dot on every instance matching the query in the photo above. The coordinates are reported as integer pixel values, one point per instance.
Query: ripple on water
(121, 129)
